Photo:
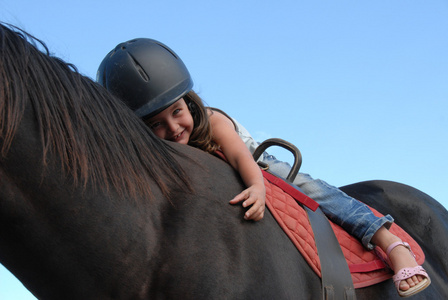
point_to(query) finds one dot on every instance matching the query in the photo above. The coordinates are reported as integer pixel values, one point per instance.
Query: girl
(152, 80)
(176, 124)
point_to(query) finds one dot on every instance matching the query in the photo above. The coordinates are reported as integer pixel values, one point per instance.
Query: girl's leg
(354, 216)
(400, 257)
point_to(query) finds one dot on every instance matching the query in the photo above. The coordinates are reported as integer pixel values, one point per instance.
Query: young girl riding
(154, 82)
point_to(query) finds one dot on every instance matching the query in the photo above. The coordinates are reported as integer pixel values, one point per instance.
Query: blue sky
(359, 86)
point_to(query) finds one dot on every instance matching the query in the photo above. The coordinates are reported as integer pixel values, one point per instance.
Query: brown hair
(201, 137)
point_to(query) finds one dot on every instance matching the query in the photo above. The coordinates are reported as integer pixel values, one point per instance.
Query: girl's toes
(411, 281)
(404, 286)
(408, 283)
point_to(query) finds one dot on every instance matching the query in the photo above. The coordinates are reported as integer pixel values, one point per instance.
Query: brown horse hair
(96, 136)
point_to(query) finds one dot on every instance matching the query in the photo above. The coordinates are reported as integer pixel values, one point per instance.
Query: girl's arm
(240, 158)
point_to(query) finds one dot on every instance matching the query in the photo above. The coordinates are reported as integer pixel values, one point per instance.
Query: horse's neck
(58, 234)
(63, 237)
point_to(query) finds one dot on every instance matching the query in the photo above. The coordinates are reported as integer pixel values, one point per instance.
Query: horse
(94, 206)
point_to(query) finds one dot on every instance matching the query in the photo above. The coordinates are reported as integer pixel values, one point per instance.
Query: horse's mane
(96, 136)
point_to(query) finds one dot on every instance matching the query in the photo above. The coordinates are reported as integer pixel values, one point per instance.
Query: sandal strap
(399, 243)
(406, 273)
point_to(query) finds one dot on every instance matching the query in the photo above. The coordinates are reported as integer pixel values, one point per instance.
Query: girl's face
(175, 123)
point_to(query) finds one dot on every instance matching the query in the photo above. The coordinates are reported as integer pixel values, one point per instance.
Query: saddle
(366, 267)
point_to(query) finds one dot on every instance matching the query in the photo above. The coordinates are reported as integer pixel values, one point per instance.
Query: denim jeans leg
(354, 216)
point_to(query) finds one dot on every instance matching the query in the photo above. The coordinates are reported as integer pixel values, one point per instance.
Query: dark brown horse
(92, 206)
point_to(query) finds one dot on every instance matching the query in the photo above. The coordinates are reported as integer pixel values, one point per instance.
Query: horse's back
(216, 254)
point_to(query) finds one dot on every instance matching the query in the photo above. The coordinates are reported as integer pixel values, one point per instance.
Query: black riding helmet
(146, 74)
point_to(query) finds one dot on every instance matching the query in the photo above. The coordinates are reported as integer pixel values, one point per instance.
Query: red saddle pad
(365, 266)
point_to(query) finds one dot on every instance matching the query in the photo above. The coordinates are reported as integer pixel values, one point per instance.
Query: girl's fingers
(249, 201)
(255, 211)
(254, 214)
(240, 197)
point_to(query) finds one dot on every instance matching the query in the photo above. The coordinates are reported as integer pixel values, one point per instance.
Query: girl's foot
(401, 257)
(409, 278)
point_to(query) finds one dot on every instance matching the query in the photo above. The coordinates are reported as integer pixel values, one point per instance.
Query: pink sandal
(406, 273)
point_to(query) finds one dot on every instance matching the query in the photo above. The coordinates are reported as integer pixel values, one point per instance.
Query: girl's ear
(191, 106)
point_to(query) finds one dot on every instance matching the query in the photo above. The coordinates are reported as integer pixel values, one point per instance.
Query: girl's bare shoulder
(216, 116)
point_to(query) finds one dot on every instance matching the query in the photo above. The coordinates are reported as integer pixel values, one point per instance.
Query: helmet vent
(169, 50)
(139, 69)
(143, 74)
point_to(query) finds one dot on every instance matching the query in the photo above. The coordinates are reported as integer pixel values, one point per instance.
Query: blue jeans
(354, 216)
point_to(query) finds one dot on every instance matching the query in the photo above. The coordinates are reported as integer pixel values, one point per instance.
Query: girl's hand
(255, 196)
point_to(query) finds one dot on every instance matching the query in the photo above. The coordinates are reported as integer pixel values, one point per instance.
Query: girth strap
(336, 278)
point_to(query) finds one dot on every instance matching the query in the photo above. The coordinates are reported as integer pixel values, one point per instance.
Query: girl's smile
(177, 137)
(175, 123)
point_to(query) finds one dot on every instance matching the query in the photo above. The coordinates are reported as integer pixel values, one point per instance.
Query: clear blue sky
(361, 87)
